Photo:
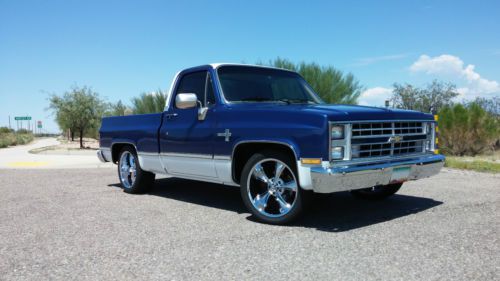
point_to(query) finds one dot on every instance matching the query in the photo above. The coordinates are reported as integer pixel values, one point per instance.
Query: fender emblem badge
(227, 134)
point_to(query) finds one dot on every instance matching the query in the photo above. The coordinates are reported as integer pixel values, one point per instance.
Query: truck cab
(267, 132)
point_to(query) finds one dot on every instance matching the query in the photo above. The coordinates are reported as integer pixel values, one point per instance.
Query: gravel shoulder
(78, 224)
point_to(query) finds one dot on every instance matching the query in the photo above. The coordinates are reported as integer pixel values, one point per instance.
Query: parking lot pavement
(78, 224)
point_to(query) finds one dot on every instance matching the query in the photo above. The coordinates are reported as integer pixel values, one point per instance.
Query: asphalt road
(78, 224)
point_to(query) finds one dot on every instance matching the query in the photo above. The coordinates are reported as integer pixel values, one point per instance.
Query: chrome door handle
(171, 115)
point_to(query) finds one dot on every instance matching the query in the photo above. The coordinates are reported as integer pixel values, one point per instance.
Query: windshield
(258, 84)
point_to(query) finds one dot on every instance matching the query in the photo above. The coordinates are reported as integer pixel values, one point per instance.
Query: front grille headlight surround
(431, 140)
(339, 141)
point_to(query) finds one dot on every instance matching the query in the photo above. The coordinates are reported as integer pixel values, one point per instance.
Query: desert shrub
(467, 130)
(4, 142)
(23, 131)
(24, 138)
(5, 130)
(9, 138)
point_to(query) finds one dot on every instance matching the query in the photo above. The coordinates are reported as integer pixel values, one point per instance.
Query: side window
(199, 83)
(193, 83)
(210, 91)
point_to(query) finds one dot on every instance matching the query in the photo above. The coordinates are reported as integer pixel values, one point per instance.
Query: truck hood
(340, 112)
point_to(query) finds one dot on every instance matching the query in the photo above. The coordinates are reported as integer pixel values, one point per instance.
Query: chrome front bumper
(357, 176)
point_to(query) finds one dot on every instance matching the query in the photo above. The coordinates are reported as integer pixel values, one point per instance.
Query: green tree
(430, 99)
(492, 105)
(331, 84)
(149, 103)
(79, 110)
(467, 129)
(117, 109)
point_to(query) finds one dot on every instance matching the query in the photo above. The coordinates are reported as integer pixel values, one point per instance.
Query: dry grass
(10, 139)
(487, 163)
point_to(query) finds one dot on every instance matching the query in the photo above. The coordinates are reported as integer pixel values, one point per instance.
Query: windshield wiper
(289, 101)
(256, 99)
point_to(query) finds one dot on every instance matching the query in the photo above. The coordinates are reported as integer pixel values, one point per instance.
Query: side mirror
(186, 100)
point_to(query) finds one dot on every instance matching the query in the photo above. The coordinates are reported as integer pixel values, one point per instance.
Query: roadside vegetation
(9, 137)
(149, 102)
(78, 111)
(431, 98)
(469, 132)
(475, 165)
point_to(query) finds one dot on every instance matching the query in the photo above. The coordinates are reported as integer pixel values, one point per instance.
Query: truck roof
(219, 64)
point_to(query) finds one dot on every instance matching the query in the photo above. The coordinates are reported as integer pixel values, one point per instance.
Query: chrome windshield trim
(170, 92)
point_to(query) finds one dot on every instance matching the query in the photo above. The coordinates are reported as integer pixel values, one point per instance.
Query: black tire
(282, 188)
(143, 180)
(378, 192)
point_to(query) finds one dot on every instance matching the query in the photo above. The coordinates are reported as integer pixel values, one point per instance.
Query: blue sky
(123, 48)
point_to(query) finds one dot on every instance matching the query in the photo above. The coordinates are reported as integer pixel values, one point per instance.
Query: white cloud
(371, 60)
(375, 96)
(454, 67)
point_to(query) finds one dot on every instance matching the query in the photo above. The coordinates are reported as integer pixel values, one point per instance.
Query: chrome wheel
(272, 188)
(128, 170)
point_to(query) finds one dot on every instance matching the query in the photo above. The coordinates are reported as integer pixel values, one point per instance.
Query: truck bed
(140, 130)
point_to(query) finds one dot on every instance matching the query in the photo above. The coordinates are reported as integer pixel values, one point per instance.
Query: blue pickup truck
(267, 132)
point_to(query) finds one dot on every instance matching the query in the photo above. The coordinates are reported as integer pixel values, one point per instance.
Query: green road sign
(22, 118)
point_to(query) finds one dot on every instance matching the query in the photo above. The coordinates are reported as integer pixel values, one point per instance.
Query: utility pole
(9, 123)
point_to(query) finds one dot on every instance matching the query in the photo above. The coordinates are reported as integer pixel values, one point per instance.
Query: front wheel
(378, 192)
(270, 188)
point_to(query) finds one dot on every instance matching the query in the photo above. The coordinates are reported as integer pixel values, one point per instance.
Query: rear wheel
(270, 188)
(378, 192)
(132, 177)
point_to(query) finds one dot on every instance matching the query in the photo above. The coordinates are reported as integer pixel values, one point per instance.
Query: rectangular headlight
(337, 153)
(337, 132)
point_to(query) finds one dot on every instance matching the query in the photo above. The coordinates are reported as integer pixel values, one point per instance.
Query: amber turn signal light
(310, 161)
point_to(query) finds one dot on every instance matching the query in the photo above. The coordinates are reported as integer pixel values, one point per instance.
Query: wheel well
(244, 151)
(116, 148)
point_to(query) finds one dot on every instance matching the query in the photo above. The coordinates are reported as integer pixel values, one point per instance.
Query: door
(186, 143)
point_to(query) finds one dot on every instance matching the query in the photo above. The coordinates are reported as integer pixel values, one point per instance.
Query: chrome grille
(380, 139)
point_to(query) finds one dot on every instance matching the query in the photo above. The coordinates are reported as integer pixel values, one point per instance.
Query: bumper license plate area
(400, 174)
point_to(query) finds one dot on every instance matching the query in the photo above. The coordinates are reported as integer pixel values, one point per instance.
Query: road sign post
(39, 126)
(21, 118)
